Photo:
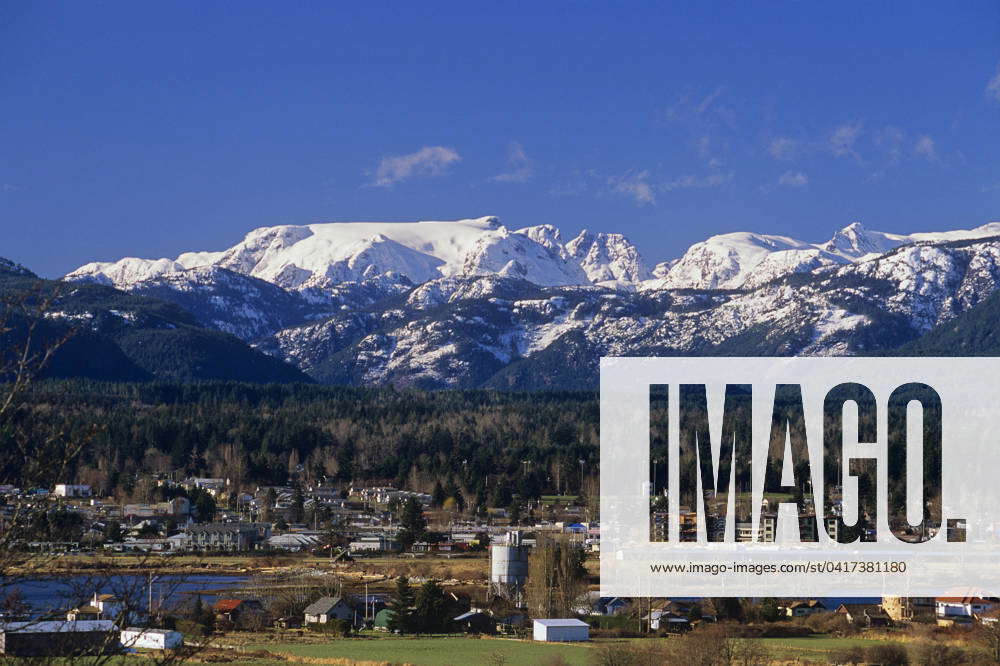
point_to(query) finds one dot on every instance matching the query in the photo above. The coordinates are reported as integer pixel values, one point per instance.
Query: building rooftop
(562, 622)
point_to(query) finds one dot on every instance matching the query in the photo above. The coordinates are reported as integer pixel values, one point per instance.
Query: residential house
(963, 607)
(100, 607)
(475, 622)
(229, 536)
(667, 620)
(611, 605)
(868, 615)
(325, 609)
(240, 613)
(804, 608)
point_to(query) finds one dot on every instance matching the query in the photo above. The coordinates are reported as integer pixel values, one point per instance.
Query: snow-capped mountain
(506, 333)
(742, 259)
(608, 259)
(471, 303)
(319, 256)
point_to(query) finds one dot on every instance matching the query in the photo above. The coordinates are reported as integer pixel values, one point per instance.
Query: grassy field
(437, 651)
(815, 648)
(447, 651)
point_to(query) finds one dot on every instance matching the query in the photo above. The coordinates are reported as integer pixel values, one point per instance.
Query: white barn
(561, 630)
(151, 639)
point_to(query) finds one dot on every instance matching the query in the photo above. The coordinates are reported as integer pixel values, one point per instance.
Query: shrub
(939, 654)
(854, 655)
(827, 623)
(888, 654)
(555, 660)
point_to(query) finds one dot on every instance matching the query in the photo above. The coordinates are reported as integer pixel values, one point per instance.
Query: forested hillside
(491, 444)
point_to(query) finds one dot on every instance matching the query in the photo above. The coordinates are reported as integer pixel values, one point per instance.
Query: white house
(71, 490)
(962, 606)
(803, 608)
(151, 639)
(561, 630)
(100, 607)
(328, 608)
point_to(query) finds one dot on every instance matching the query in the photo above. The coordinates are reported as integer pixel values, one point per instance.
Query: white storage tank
(509, 562)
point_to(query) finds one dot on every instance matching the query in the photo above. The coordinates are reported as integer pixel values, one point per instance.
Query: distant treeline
(492, 444)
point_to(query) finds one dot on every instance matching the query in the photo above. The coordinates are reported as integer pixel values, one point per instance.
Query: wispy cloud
(10, 187)
(706, 120)
(693, 107)
(636, 186)
(690, 181)
(521, 167)
(924, 147)
(426, 162)
(844, 138)
(993, 86)
(793, 179)
(782, 148)
(890, 141)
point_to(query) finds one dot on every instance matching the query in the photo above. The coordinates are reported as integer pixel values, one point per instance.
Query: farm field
(454, 650)
(435, 651)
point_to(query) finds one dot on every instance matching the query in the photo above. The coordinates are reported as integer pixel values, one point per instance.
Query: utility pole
(149, 587)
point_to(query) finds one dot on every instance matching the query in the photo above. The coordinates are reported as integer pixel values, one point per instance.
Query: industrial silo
(509, 567)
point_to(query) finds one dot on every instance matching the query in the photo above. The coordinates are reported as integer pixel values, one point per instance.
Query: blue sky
(147, 129)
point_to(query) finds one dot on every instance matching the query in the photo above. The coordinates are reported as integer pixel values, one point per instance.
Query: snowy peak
(727, 261)
(854, 241)
(745, 260)
(544, 234)
(517, 255)
(124, 271)
(315, 259)
(609, 259)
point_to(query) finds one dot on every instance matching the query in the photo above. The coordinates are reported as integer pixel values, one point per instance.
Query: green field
(817, 648)
(436, 651)
(447, 651)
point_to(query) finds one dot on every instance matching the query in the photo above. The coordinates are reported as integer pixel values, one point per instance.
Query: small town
(562, 333)
(320, 569)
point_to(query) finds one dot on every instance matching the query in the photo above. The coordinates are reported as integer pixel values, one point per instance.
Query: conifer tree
(400, 608)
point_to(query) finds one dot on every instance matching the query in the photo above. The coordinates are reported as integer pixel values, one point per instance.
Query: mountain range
(471, 303)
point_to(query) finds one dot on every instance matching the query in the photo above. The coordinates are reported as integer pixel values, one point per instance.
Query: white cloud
(636, 186)
(428, 161)
(843, 139)
(521, 166)
(781, 148)
(793, 179)
(891, 143)
(993, 86)
(706, 120)
(925, 147)
(690, 181)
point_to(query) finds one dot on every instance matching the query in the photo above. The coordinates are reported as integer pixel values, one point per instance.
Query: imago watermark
(800, 476)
